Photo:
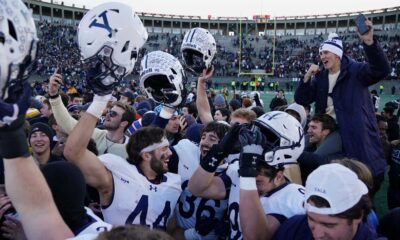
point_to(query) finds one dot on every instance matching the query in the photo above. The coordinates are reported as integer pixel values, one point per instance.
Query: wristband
(54, 96)
(248, 163)
(98, 105)
(248, 183)
(13, 143)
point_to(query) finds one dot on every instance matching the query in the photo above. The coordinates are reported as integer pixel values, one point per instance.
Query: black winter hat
(42, 127)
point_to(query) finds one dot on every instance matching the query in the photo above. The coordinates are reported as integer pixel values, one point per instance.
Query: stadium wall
(383, 19)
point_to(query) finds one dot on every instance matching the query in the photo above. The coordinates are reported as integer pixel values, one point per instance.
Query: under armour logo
(105, 25)
(153, 188)
(213, 162)
(254, 161)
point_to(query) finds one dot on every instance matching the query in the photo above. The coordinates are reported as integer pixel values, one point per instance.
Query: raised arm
(203, 107)
(255, 224)
(305, 91)
(377, 67)
(63, 118)
(61, 114)
(25, 184)
(33, 201)
(203, 183)
(96, 174)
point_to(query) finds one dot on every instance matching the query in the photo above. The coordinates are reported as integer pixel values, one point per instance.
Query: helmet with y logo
(109, 37)
(284, 138)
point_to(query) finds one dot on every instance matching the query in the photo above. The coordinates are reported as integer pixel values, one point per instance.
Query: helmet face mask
(162, 78)
(284, 138)
(193, 61)
(160, 88)
(198, 50)
(18, 46)
(103, 67)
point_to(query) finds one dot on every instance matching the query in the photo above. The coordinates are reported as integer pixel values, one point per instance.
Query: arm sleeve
(62, 116)
(66, 121)
(305, 92)
(377, 67)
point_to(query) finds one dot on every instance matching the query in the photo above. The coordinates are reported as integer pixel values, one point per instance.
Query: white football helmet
(109, 37)
(284, 138)
(198, 50)
(162, 78)
(18, 44)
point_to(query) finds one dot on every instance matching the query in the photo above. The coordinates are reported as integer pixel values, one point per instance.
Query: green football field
(380, 198)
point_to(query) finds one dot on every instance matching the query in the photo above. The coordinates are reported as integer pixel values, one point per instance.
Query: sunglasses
(112, 113)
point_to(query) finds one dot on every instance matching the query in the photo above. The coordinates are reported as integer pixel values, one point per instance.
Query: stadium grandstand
(282, 47)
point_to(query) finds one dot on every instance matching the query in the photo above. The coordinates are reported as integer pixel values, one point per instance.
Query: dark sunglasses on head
(112, 113)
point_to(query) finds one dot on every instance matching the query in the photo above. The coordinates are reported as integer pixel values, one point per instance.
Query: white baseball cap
(301, 111)
(337, 184)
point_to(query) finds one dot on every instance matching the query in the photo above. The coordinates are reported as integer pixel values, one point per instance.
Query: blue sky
(245, 8)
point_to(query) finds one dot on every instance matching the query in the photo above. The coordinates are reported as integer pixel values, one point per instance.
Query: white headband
(164, 142)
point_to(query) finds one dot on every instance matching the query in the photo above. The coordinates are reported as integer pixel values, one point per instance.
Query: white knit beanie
(333, 45)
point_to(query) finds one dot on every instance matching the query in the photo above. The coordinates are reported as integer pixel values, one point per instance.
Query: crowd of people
(90, 155)
(293, 56)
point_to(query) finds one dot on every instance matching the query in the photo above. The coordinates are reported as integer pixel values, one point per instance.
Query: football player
(25, 185)
(278, 138)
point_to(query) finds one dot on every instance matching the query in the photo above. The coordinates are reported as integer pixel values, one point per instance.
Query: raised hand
(221, 150)
(252, 141)
(207, 74)
(314, 69)
(367, 38)
(55, 82)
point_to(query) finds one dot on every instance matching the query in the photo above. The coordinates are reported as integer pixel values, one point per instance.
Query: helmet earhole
(12, 31)
(125, 47)
(134, 55)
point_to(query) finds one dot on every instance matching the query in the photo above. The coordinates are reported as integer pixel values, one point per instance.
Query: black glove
(220, 151)
(12, 118)
(16, 104)
(252, 141)
(205, 225)
(222, 228)
(229, 143)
